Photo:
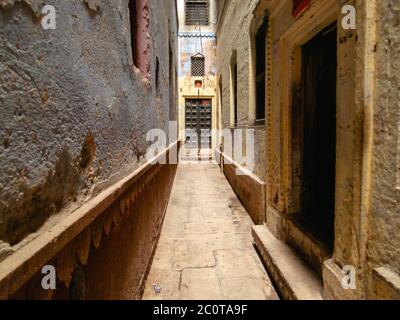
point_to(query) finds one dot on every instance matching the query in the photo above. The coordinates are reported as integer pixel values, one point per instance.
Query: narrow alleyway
(205, 250)
(297, 99)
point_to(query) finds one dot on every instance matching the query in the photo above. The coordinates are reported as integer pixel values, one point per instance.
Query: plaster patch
(93, 4)
(35, 5)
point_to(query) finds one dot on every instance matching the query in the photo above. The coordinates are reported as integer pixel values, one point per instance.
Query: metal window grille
(198, 69)
(196, 12)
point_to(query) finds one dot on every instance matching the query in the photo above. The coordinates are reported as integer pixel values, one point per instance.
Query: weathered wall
(384, 222)
(233, 36)
(367, 158)
(194, 40)
(284, 155)
(74, 109)
(125, 257)
(110, 258)
(190, 44)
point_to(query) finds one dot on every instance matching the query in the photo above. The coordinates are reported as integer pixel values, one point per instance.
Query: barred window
(198, 68)
(196, 12)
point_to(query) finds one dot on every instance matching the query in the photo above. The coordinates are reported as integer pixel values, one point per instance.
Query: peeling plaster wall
(74, 109)
(189, 45)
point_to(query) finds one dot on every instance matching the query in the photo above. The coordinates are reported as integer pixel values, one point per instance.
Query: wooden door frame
(321, 15)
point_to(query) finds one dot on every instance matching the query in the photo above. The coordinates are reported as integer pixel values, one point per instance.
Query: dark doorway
(235, 93)
(198, 123)
(319, 134)
(261, 38)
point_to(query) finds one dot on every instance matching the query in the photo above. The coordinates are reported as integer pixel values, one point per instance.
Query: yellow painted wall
(187, 90)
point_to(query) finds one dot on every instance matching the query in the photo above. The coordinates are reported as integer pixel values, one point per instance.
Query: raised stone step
(293, 278)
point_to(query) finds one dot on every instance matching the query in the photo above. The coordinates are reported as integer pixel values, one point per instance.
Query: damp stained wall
(383, 248)
(189, 45)
(74, 110)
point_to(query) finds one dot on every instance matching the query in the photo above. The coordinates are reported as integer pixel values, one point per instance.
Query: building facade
(197, 71)
(77, 102)
(318, 81)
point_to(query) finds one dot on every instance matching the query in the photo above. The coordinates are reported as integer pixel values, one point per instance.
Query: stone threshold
(292, 277)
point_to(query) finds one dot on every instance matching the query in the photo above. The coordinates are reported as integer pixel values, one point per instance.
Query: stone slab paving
(205, 251)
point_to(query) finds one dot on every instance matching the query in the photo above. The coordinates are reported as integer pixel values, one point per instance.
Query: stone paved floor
(205, 250)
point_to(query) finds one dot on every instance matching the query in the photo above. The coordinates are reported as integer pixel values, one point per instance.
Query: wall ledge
(249, 188)
(385, 284)
(82, 225)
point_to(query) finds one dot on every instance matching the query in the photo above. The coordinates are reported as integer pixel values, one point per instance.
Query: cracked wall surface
(74, 110)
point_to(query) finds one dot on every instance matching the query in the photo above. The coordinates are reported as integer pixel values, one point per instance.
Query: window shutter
(196, 12)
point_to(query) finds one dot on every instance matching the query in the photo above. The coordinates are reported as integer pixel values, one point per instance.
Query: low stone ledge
(70, 239)
(292, 277)
(249, 188)
(385, 284)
